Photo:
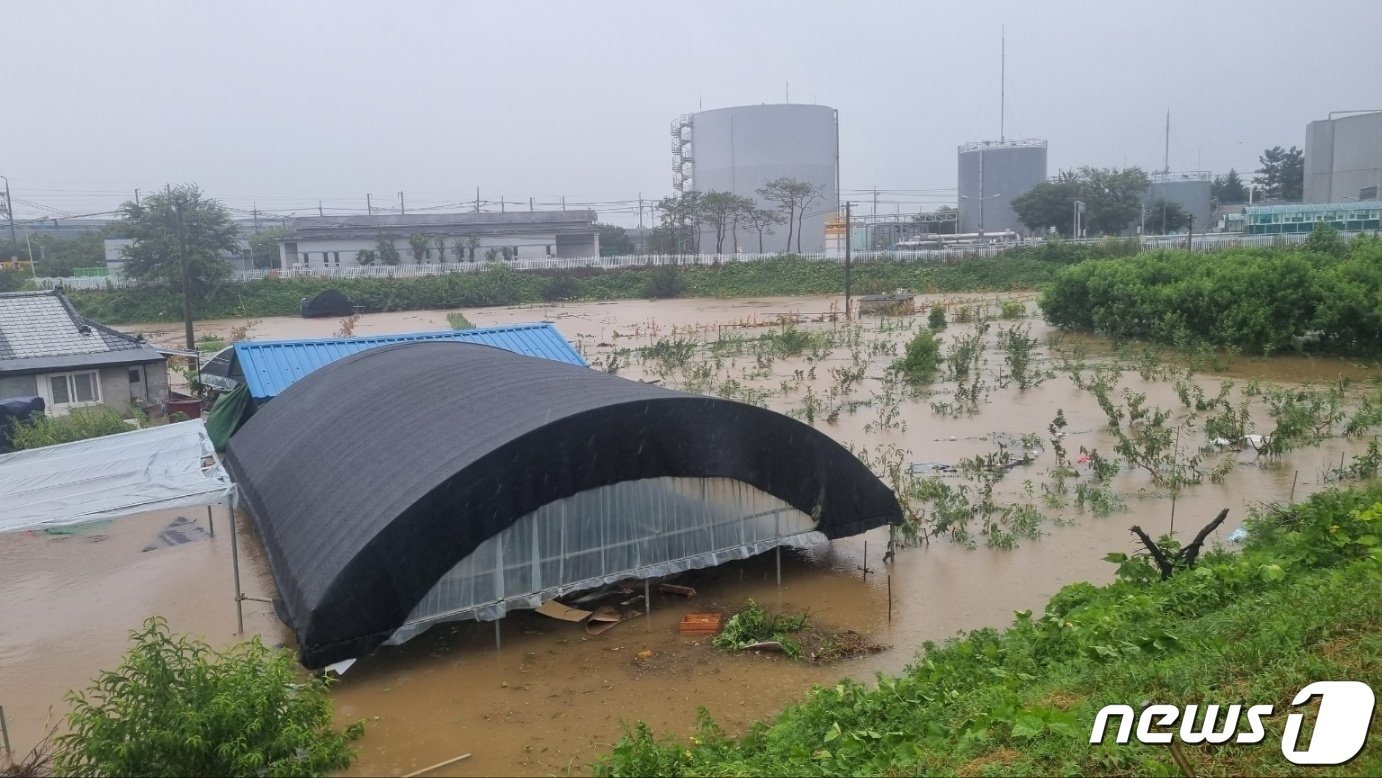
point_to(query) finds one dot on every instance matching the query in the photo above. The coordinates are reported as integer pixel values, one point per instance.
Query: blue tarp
(269, 367)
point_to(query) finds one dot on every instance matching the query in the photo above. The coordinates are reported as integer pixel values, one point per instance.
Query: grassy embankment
(1298, 604)
(1026, 268)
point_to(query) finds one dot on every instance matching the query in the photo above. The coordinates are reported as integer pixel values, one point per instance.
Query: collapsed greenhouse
(419, 483)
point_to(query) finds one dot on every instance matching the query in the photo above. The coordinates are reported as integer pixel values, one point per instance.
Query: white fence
(1199, 243)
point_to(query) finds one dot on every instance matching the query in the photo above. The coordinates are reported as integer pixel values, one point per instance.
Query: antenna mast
(1003, 84)
(1166, 158)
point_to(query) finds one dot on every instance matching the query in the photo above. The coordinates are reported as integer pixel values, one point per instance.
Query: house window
(134, 375)
(68, 390)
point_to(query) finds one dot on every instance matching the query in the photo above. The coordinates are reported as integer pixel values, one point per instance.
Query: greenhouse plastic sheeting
(648, 528)
(170, 466)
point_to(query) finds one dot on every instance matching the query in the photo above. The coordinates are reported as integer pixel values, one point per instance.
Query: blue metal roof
(269, 367)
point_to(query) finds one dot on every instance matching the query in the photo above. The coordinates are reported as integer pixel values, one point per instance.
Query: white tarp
(169, 466)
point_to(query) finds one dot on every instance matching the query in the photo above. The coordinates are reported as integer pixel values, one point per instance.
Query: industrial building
(1343, 157)
(1298, 217)
(483, 481)
(991, 175)
(1191, 190)
(740, 149)
(337, 241)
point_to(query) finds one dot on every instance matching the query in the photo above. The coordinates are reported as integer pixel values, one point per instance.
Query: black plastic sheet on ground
(328, 302)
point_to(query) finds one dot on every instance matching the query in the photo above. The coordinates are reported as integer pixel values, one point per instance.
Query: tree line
(687, 216)
(1114, 200)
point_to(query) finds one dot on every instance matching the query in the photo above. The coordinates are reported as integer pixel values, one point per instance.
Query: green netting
(230, 411)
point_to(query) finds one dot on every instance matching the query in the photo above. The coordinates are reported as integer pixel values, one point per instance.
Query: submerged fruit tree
(176, 706)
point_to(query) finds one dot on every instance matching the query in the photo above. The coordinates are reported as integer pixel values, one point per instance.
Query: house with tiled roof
(49, 350)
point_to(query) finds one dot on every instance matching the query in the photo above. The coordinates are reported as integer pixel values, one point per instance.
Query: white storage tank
(740, 149)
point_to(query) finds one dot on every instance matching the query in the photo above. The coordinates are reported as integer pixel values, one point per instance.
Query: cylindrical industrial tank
(740, 149)
(1190, 190)
(1010, 168)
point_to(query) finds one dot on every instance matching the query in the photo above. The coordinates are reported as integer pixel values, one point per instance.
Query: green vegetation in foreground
(1299, 604)
(1324, 295)
(80, 424)
(458, 321)
(176, 706)
(1024, 268)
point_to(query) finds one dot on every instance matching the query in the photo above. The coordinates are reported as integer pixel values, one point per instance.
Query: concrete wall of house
(18, 386)
(330, 253)
(116, 387)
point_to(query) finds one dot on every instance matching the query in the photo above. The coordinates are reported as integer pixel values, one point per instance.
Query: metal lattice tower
(682, 162)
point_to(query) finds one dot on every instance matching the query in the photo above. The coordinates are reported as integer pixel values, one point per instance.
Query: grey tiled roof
(41, 331)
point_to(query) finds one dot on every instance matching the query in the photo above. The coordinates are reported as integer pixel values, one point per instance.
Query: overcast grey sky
(286, 103)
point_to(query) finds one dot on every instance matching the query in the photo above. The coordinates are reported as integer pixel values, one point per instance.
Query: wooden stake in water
(890, 598)
(1293, 485)
(866, 561)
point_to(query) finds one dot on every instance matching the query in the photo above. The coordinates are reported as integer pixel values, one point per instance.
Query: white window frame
(45, 390)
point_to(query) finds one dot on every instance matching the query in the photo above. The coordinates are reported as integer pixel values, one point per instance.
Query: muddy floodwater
(552, 698)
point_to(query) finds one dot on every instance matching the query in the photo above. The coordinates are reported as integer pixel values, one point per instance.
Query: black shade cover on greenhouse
(373, 476)
(327, 302)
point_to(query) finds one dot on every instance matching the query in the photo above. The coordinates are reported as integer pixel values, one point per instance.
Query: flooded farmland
(1005, 535)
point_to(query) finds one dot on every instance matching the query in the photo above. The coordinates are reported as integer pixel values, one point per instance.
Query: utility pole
(477, 199)
(9, 211)
(186, 278)
(501, 203)
(848, 220)
(1166, 156)
(402, 207)
(1003, 84)
(1075, 221)
(530, 205)
(640, 210)
(563, 202)
(369, 204)
(1190, 233)
(319, 208)
(136, 198)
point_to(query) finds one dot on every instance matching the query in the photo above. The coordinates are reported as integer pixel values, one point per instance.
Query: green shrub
(665, 282)
(1012, 309)
(1320, 297)
(175, 706)
(458, 321)
(80, 424)
(937, 320)
(921, 360)
(560, 288)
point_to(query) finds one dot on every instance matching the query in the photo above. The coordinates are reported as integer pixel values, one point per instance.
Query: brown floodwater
(551, 699)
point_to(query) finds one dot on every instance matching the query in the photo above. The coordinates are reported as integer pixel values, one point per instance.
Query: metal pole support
(5, 731)
(235, 564)
(210, 521)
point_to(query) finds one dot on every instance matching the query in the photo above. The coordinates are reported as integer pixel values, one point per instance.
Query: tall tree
(1282, 175)
(614, 241)
(1112, 198)
(793, 197)
(762, 220)
(722, 210)
(168, 226)
(682, 214)
(418, 245)
(1163, 217)
(1048, 204)
(387, 251)
(261, 248)
(1229, 188)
